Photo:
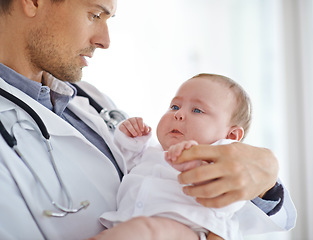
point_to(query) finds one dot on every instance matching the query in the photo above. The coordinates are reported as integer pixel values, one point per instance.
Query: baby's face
(200, 111)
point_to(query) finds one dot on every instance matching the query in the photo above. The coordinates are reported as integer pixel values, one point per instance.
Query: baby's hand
(134, 127)
(175, 151)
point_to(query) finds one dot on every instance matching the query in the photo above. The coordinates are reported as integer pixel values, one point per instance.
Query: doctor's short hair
(6, 5)
(241, 115)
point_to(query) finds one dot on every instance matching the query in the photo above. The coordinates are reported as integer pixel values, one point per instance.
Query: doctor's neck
(13, 52)
(23, 69)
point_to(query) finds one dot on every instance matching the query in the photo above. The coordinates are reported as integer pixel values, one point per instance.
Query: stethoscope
(111, 118)
(11, 141)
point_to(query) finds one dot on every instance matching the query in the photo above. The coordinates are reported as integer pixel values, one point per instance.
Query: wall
(264, 45)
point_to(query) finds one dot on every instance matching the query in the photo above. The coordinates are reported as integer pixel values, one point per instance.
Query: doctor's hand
(134, 127)
(239, 172)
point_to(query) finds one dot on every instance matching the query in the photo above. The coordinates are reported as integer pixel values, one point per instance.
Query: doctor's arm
(239, 172)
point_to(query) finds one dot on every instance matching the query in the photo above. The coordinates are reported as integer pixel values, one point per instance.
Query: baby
(207, 109)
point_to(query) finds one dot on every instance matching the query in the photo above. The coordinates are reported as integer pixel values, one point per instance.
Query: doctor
(57, 190)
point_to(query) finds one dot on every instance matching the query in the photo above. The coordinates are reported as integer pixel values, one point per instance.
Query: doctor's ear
(30, 7)
(235, 133)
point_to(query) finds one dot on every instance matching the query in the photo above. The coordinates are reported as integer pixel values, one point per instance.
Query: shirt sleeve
(272, 201)
(278, 206)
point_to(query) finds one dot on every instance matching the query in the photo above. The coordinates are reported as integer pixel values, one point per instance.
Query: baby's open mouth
(175, 131)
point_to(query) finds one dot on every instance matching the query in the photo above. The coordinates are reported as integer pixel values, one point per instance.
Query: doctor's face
(200, 111)
(66, 34)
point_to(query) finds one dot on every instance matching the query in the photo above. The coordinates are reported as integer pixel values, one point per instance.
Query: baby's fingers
(174, 151)
(189, 144)
(134, 127)
(131, 127)
(147, 130)
(140, 127)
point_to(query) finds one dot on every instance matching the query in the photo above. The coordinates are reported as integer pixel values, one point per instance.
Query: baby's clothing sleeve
(131, 148)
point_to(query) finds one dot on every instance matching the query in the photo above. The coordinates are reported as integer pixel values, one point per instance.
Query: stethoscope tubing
(26, 203)
(27, 109)
(107, 116)
(111, 118)
(92, 102)
(11, 141)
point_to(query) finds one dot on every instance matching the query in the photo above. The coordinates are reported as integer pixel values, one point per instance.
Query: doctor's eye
(175, 107)
(93, 16)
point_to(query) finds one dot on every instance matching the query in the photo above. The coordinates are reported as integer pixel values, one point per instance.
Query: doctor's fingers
(212, 188)
(204, 173)
(215, 179)
(220, 201)
(215, 193)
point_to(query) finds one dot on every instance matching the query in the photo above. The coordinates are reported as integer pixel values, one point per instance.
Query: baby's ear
(235, 133)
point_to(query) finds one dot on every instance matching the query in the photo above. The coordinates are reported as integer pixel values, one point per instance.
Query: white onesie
(151, 189)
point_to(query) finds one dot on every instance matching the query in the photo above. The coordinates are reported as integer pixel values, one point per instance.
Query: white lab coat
(86, 172)
(94, 179)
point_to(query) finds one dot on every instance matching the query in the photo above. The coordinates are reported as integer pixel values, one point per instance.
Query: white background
(265, 45)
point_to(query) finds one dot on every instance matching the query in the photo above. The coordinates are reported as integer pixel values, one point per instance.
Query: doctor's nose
(179, 115)
(101, 38)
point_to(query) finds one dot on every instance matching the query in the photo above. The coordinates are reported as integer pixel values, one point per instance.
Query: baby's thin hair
(241, 115)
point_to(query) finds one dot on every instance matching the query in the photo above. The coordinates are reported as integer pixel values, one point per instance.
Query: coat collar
(54, 124)
(57, 126)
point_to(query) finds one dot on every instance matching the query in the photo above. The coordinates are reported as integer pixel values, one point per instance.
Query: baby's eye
(174, 107)
(197, 110)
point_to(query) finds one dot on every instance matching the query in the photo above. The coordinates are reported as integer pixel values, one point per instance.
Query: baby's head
(206, 108)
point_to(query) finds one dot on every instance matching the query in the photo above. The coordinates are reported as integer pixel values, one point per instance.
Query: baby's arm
(134, 127)
(127, 140)
(175, 151)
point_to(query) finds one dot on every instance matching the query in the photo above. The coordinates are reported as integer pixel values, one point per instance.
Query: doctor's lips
(84, 60)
